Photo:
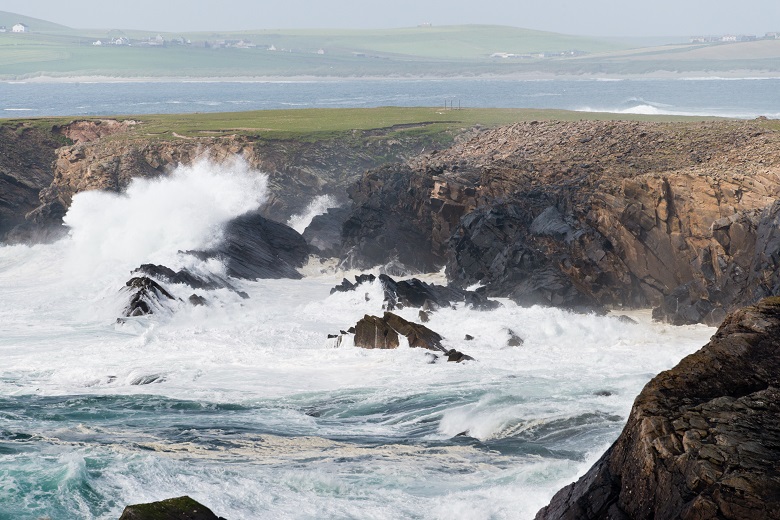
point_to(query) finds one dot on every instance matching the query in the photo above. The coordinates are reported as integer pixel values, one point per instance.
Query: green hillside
(472, 50)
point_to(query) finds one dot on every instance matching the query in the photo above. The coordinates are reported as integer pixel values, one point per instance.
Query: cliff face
(26, 154)
(599, 213)
(107, 154)
(702, 440)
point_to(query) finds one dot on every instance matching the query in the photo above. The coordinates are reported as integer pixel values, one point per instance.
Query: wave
(317, 206)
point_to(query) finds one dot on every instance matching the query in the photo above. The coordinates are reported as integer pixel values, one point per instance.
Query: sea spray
(155, 218)
(317, 206)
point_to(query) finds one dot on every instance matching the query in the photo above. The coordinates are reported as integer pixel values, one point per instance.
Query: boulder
(255, 247)
(384, 333)
(181, 508)
(702, 440)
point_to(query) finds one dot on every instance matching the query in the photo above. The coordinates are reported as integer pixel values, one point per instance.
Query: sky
(582, 17)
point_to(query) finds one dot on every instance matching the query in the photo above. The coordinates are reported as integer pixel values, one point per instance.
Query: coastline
(745, 75)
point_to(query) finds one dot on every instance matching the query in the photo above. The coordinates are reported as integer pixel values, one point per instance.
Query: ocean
(707, 96)
(249, 408)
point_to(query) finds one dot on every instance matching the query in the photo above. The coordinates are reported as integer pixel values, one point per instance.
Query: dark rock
(181, 508)
(197, 300)
(603, 393)
(332, 336)
(416, 293)
(627, 319)
(323, 234)
(255, 247)
(468, 337)
(457, 356)
(384, 222)
(187, 277)
(514, 340)
(702, 440)
(148, 296)
(351, 330)
(423, 316)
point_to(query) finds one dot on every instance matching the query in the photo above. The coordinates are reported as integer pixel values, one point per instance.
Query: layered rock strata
(702, 440)
(583, 214)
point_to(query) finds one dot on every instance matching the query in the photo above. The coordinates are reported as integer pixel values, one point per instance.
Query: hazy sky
(587, 17)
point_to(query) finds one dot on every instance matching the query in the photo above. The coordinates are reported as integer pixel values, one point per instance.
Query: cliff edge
(702, 440)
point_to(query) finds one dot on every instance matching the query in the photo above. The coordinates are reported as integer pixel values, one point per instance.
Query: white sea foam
(317, 206)
(246, 406)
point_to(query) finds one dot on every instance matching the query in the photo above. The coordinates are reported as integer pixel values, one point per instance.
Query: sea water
(248, 407)
(737, 97)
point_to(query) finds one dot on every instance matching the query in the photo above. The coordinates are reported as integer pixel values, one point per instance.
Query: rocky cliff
(588, 214)
(107, 154)
(702, 440)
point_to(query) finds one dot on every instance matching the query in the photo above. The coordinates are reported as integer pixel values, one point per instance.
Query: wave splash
(155, 218)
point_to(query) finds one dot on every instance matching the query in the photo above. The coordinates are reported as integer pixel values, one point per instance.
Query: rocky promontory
(702, 440)
(587, 214)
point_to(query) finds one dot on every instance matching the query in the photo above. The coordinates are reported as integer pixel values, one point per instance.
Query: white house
(20, 28)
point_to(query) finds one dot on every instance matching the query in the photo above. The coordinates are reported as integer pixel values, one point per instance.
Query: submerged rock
(181, 508)
(702, 440)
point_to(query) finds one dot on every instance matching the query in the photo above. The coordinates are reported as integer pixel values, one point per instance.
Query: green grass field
(317, 124)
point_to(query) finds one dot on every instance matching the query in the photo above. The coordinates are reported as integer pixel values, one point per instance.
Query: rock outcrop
(146, 297)
(416, 293)
(254, 247)
(181, 508)
(582, 214)
(384, 333)
(702, 440)
(26, 154)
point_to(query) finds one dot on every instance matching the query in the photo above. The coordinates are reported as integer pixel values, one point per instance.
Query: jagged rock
(416, 293)
(586, 215)
(26, 154)
(423, 316)
(148, 297)
(323, 234)
(181, 508)
(384, 222)
(255, 247)
(702, 440)
(374, 332)
(187, 277)
(384, 332)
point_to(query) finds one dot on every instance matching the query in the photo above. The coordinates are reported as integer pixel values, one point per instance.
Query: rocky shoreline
(589, 216)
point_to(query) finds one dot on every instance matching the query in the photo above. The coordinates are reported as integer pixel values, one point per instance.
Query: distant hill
(35, 24)
(468, 50)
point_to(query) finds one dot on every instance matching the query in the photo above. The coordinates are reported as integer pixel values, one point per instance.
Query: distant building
(97, 43)
(20, 28)
(772, 36)
(3, 29)
(729, 38)
(120, 41)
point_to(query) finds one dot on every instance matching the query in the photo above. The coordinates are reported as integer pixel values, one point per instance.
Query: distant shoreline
(661, 75)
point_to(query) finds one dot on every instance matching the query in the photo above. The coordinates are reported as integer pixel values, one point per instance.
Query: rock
(187, 277)
(514, 340)
(702, 440)
(254, 247)
(587, 215)
(323, 234)
(384, 225)
(181, 508)
(423, 316)
(148, 297)
(627, 319)
(375, 332)
(468, 337)
(457, 356)
(26, 153)
(419, 294)
(197, 300)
